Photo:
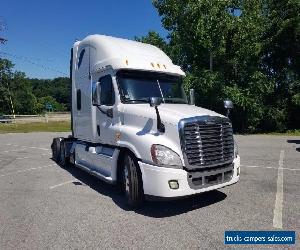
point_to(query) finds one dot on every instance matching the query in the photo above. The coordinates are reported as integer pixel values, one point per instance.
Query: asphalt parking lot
(45, 206)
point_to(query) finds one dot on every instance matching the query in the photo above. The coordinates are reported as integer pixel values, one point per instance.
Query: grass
(295, 132)
(52, 126)
(65, 126)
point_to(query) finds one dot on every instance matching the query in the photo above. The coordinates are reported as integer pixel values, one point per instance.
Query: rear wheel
(132, 181)
(62, 160)
(56, 149)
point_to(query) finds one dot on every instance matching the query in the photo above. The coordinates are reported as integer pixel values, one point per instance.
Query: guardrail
(57, 116)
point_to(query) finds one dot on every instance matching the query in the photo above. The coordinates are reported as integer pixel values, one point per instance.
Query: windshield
(137, 86)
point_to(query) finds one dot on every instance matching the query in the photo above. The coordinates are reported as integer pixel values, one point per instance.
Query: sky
(41, 33)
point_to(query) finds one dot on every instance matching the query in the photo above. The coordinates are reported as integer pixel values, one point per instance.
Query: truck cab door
(105, 120)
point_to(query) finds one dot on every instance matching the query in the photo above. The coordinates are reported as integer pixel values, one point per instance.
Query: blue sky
(42, 32)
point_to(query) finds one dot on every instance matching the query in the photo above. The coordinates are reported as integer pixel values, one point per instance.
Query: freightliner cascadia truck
(133, 125)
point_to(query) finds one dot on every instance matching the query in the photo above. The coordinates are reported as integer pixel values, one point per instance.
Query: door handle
(98, 130)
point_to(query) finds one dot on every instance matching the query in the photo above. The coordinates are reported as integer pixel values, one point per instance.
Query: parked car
(5, 119)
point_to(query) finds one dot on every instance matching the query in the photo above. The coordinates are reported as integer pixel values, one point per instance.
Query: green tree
(29, 96)
(6, 75)
(45, 100)
(281, 60)
(247, 51)
(155, 39)
(23, 98)
(58, 88)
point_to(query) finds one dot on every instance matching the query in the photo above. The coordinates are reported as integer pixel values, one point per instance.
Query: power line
(25, 59)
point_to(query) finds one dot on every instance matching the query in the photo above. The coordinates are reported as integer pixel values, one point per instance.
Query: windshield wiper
(137, 100)
(175, 101)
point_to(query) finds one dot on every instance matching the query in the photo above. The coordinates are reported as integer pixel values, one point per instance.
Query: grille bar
(207, 141)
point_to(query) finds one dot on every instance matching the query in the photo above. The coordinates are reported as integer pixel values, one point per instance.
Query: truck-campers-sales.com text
(262, 239)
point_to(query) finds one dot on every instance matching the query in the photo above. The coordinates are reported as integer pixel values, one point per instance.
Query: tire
(56, 150)
(62, 158)
(132, 182)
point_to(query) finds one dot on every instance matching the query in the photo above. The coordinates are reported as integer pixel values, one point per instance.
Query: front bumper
(156, 181)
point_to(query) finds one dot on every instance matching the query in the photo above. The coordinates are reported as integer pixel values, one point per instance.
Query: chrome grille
(207, 142)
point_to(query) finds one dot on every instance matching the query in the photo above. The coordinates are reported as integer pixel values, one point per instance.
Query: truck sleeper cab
(133, 126)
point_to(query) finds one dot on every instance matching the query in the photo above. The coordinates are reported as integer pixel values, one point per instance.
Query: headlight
(164, 156)
(236, 150)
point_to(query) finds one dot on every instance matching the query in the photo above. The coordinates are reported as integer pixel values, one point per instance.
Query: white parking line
(277, 219)
(15, 145)
(61, 184)
(21, 158)
(291, 169)
(26, 170)
(13, 150)
(34, 147)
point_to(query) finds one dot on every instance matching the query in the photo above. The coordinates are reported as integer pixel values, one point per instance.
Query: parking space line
(22, 158)
(61, 184)
(277, 220)
(291, 169)
(34, 147)
(26, 170)
(22, 146)
(13, 150)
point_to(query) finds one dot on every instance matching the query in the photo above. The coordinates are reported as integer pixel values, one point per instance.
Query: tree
(243, 50)
(154, 38)
(6, 75)
(58, 88)
(29, 96)
(281, 58)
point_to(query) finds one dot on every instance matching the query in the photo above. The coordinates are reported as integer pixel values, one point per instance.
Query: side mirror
(96, 93)
(228, 105)
(155, 101)
(192, 97)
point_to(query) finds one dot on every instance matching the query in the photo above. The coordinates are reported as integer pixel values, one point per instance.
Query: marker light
(126, 62)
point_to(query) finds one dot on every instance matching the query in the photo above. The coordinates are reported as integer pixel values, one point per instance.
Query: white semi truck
(133, 126)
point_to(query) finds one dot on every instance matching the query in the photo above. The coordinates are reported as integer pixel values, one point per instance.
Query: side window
(80, 58)
(78, 98)
(107, 91)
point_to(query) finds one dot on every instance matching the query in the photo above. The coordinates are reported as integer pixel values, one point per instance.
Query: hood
(169, 112)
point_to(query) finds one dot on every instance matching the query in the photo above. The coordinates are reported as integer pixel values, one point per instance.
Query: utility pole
(11, 102)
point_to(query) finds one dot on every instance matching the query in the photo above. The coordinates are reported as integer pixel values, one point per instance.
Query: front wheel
(132, 182)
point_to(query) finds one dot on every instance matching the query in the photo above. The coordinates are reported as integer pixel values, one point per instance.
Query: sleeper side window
(107, 91)
(80, 58)
(78, 98)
